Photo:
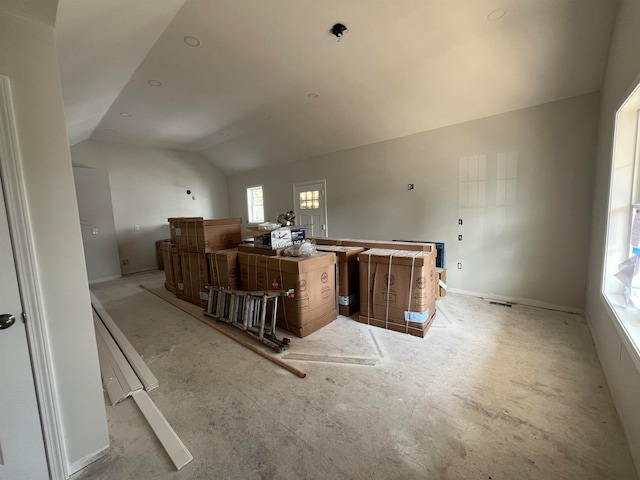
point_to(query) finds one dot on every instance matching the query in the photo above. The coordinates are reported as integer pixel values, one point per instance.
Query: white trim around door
(24, 253)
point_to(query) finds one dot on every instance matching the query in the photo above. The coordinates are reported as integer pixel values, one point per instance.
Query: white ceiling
(241, 97)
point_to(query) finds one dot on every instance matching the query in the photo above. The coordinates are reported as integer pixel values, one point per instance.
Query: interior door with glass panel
(310, 202)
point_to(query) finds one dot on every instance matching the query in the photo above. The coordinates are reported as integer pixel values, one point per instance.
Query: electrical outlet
(410, 186)
(94, 231)
(459, 221)
(124, 262)
(459, 266)
(459, 238)
(136, 227)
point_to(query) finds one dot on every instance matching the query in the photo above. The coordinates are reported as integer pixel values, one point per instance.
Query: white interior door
(310, 202)
(22, 453)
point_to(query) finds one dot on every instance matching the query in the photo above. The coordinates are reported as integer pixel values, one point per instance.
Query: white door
(22, 454)
(310, 202)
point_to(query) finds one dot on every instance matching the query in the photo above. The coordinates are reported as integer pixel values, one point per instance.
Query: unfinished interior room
(354, 239)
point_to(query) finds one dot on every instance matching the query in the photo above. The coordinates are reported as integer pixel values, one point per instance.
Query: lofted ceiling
(268, 82)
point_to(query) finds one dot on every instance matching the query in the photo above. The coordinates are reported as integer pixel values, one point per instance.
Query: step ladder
(249, 311)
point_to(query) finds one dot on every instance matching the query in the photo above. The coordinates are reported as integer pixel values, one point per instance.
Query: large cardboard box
(417, 330)
(176, 266)
(398, 287)
(159, 257)
(205, 236)
(348, 277)
(195, 273)
(367, 244)
(224, 268)
(260, 251)
(312, 278)
(165, 249)
(175, 228)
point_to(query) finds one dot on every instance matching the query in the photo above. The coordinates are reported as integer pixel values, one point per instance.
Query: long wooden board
(148, 379)
(176, 450)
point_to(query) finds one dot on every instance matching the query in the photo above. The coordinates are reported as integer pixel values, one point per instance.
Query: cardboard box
(312, 278)
(165, 249)
(260, 251)
(348, 277)
(298, 235)
(397, 285)
(420, 331)
(367, 244)
(195, 272)
(159, 256)
(176, 266)
(310, 327)
(279, 238)
(224, 268)
(175, 228)
(205, 236)
(441, 283)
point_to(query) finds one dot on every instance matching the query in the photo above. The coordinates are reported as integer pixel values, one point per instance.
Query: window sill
(626, 319)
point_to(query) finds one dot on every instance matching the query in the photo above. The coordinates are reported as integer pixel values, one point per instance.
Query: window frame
(251, 205)
(624, 193)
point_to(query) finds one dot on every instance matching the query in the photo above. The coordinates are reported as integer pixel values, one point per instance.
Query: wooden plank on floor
(331, 359)
(110, 380)
(129, 380)
(176, 450)
(148, 379)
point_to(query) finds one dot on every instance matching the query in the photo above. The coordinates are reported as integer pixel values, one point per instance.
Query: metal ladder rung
(248, 310)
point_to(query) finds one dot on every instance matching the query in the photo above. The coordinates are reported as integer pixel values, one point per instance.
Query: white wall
(28, 58)
(148, 185)
(96, 223)
(622, 375)
(535, 249)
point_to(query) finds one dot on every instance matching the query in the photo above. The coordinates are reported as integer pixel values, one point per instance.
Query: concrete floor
(490, 393)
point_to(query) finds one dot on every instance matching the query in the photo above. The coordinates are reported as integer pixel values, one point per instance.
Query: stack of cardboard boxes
(193, 240)
(393, 285)
(312, 278)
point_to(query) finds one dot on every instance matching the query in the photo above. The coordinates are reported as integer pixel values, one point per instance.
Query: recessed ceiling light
(111, 131)
(312, 95)
(125, 114)
(154, 83)
(191, 41)
(497, 14)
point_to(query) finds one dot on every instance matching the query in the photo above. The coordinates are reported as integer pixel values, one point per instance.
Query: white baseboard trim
(521, 301)
(104, 279)
(86, 461)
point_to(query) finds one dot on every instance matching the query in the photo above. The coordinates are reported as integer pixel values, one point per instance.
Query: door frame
(324, 189)
(28, 281)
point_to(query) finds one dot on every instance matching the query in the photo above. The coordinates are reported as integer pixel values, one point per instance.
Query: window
(255, 203)
(310, 200)
(621, 278)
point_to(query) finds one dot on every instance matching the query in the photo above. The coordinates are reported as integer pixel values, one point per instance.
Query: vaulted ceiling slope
(250, 83)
